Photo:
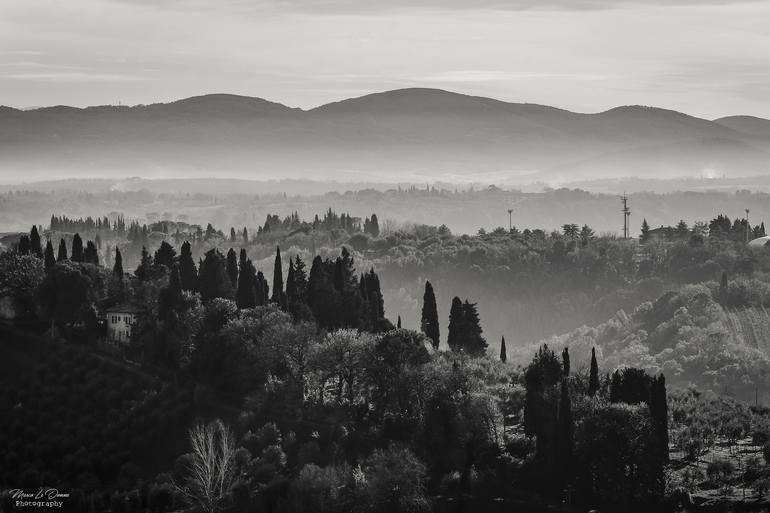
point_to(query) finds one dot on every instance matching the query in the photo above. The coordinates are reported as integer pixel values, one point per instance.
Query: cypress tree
(77, 249)
(399, 322)
(50, 261)
(246, 295)
(91, 255)
(300, 280)
(429, 322)
(339, 275)
(659, 416)
(165, 255)
(565, 361)
(593, 377)
(170, 298)
(374, 295)
(474, 344)
(117, 269)
(277, 296)
(145, 263)
(245, 235)
(615, 384)
(232, 267)
(564, 435)
(24, 245)
(262, 289)
(213, 280)
(232, 234)
(540, 407)
(644, 237)
(35, 245)
(291, 291)
(62, 255)
(315, 285)
(455, 324)
(503, 353)
(188, 273)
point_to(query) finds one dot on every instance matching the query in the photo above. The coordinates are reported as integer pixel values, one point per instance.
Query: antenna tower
(626, 214)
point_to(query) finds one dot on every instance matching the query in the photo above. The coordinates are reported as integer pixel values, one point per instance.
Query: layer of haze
(706, 58)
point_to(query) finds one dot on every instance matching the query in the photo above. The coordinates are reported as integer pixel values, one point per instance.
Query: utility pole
(510, 219)
(626, 214)
(748, 228)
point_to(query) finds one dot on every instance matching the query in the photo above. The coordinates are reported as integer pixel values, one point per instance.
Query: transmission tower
(626, 214)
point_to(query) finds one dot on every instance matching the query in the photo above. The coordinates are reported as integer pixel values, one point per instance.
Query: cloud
(469, 76)
(361, 6)
(73, 77)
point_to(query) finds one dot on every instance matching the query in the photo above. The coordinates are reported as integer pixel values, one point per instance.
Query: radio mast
(626, 214)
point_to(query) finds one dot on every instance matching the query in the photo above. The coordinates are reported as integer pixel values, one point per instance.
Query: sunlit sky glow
(706, 58)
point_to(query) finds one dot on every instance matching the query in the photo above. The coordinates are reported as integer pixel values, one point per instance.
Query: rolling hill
(407, 134)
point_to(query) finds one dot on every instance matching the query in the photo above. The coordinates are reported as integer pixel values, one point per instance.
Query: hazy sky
(707, 58)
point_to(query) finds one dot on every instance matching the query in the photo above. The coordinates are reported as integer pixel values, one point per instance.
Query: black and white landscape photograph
(416, 256)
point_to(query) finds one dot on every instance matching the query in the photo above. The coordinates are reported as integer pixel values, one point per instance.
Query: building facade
(120, 321)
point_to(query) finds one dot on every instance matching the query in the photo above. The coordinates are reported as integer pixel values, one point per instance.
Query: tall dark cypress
(245, 235)
(615, 384)
(300, 280)
(50, 261)
(35, 246)
(62, 254)
(262, 289)
(170, 298)
(503, 353)
(165, 255)
(188, 272)
(593, 377)
(145, 263)
(232, 267)
(315, 283)
(24, 245)
(374, 292)
(77, 254)
(117, 269)
(291, 289)
(565, 361)
(429, 322)
(213, 280)
(455, 325)
(398, 325)
(564, 435)
(659, 416)
(232, 234)
(90, 254)
(277, 296)
(246, 295)
(472, 341)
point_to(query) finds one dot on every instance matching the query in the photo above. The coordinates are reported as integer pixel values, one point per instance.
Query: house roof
(122, 309)
(760, 242)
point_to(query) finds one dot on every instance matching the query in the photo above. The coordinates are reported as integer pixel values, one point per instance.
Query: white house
(120, 320)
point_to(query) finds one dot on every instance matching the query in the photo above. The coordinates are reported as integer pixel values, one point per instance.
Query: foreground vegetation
(301, 393)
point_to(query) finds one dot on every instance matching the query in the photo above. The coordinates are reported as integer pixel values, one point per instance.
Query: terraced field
(751, 325)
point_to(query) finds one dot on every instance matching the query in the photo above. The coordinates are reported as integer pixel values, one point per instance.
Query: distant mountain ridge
(401, 134)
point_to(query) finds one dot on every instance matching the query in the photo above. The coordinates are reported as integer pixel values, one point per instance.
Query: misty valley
(185, 351)
(416, 256)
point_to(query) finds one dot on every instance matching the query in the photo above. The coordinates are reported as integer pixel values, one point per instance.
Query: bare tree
(211, 468)
(388, 227)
